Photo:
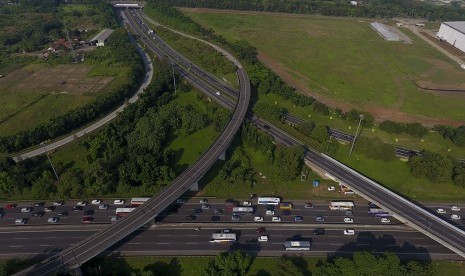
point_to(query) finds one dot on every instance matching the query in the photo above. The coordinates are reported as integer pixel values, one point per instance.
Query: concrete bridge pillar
(194, 187)
(222, 156)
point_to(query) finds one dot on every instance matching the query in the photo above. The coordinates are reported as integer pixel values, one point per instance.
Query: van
(263, 238)
(349, 232)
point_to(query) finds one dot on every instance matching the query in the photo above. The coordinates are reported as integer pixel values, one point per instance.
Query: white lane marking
(45, 245)
(21, 238)
(16, 246)
(134, 243)
(163, 243)
(192, 243)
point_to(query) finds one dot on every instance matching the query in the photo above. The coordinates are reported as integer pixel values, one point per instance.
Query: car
(258, 218)
(349, 232)
(11, 206)
(20, 221)
(252, 196)
(455, 216)
(286, 213)
(114, 218)
(103, 207)
(215, 218)
(218, 93)
(87, 219)
(89, 212)
(58, 203)
(197, 211)
(269, 212)
(348, 220)
(331, 188)
(119, 201)
(217, 211)
(298, 218)
(319, 231)
(63, 214)
(226, 231)
(180, 201)
(39, 204)
(205, 206)
(276, 219)
(261, 230)
(49, 209)
(266, 126)
(308, 205)
(441, 211)
(96, 201)
(349, 213)
(203, 201)
(53, 220)
(191, 217)
(263, 238)
(82, 203)
(235, 214)
(235, 218)
(26, 210)
(77, 208)
(385, 220)
(454, 208)
(38, 214)
(320, 219)
(246, 203)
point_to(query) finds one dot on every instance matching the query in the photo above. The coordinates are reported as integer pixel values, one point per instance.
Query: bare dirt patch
(68, 79)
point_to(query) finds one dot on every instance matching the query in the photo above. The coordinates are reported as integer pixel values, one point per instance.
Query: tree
(458, 174)
(391, 127)
(435, 167)
(6, 183)
(289, 161)
(306, 128)
(229, 264)
(43, 187)
(320, 133)
(287, 267)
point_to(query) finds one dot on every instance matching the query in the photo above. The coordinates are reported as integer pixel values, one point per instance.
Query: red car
(261, 230)
(87, 219)
(11, 206)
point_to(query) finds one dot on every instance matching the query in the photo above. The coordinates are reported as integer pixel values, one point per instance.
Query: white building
(101, 37)
(453, 33)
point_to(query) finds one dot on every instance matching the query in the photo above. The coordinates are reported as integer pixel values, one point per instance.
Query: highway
(86, 249)
(99, 123)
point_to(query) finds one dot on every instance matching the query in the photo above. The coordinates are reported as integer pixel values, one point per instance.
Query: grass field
(344, 61)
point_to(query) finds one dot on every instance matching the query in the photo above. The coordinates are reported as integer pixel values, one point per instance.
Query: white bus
(223, 238)
(242, 209)
(268, 200)
(123, 211)
(136, 201)
(341, 205)
(297, 245)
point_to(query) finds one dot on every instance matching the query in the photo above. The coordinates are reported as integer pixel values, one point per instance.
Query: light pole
(174, 79)
(48, 157)
(356, 134)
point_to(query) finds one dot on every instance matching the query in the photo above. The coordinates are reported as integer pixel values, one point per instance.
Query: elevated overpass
(128, 4)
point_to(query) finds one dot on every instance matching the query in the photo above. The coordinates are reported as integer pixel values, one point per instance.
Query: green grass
(345, 60)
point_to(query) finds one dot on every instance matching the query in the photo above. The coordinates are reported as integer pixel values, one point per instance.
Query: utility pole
(356, 134)
(174, 79)
(49, 160)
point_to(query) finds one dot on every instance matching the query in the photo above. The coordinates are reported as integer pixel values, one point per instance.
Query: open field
(345, 64)
(35, 93)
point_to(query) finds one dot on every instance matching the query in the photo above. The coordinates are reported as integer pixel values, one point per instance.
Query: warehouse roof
(457, 25)
(103, 35)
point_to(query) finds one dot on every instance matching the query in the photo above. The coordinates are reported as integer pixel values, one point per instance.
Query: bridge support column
(222, 156)
(194, 187)
(76, 272)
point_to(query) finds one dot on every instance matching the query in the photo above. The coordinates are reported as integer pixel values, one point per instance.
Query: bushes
(457, 135)
(413, 129)
(269, 111)
(435, 167)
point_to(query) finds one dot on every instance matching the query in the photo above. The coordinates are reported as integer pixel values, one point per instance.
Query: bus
(268, 200)
(285, 206)
(381, 214)
(297, 245)
(242, 209)
(374, 210)
(136, 201)
(223, 238)
(341, 205)
(123, 211)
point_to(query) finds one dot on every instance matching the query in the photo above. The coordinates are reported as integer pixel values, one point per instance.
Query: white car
(218, 93)
(96, 201)
(263, 238)
(20, 221)
(349, 232)
(246, 203)
(53, 220)
(119, 201)
(455, 216)
(454, 208)
(441, 211)
(385, 220)
(258, 218)
(26, 210)
(348, 220)
(276, 219)
(204, 201)
(103, 207)
(82, 203)
(269, 212)
(331, 188)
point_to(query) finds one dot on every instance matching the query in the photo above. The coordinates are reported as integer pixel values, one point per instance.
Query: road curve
(81, 252)
(108, 118)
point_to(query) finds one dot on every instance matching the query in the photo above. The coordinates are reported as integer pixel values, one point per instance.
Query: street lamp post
(174, 79)
(49, 160)
(356, 134)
